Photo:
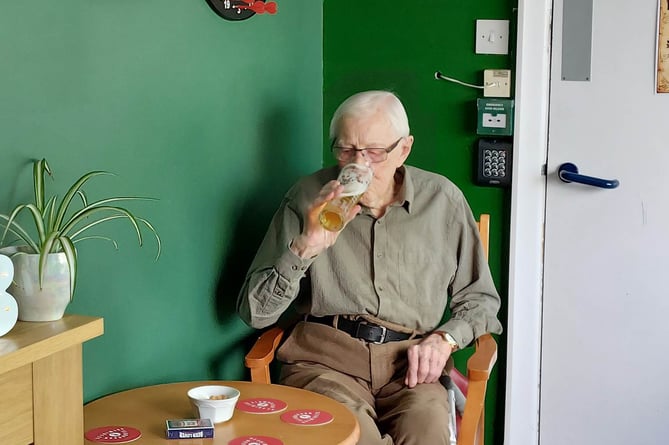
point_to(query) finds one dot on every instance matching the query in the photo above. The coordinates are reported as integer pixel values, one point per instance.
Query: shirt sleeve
(273, 280)
(474, 301)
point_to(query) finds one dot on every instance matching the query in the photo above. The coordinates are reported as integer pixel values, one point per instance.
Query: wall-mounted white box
(496, 83)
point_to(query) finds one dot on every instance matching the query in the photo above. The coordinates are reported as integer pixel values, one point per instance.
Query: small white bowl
(207, 403)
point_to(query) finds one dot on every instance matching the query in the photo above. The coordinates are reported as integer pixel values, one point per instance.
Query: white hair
(368, 103)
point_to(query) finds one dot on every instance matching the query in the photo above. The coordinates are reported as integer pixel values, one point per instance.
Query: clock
(241, 9)
(9, 311)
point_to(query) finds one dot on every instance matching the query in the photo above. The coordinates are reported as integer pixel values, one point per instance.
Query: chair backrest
(474, 385)
(484, 232)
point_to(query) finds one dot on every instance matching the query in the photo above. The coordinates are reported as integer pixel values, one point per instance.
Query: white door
(605, 335)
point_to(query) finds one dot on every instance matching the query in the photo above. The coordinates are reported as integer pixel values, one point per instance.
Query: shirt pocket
(425, 274)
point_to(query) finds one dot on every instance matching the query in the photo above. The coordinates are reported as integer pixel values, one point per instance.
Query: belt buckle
(384, 331)
(382, 340)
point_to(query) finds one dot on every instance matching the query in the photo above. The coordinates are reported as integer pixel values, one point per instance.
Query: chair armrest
(480, 364)
(262, 354)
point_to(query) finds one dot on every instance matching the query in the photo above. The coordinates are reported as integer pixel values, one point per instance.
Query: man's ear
(406, 147)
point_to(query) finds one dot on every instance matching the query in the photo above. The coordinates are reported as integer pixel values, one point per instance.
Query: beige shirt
(406, 267)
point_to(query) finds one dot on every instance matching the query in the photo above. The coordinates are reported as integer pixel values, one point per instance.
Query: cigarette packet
(189, 429)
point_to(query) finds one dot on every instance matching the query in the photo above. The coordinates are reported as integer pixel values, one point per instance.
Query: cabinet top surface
(29, 341)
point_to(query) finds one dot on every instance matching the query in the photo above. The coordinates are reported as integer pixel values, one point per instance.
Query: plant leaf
(17, 230)
(50, 208)
(155, 234)
(71, 255)
(39, 168)
(82, 195)
(90, 211)
(81, 230)
(37, 217)
(43, 255)
(67, 199)
(97, 237)
(75, 236)
(100, 203)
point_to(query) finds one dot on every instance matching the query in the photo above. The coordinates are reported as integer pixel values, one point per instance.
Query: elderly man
(372, 295)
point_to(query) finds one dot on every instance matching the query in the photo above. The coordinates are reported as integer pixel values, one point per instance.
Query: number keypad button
(494, 163)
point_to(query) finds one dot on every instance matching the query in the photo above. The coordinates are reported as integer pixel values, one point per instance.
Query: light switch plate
(492, 37)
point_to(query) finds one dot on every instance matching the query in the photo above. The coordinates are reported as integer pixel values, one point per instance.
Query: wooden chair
(474, 385)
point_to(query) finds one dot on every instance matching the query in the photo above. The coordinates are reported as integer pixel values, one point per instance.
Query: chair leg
(471, 427)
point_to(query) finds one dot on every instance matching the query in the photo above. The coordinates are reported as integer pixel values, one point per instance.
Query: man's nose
(360, 155)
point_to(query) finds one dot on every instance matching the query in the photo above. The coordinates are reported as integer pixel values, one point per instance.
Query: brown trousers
(369, 380)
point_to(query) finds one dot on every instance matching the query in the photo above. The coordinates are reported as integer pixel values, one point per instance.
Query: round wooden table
(148, 408)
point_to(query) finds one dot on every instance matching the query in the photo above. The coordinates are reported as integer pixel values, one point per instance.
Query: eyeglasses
(373, 154)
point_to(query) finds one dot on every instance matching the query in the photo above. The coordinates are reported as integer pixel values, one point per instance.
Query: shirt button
(380, 288)
(294, 267)
(379, 255)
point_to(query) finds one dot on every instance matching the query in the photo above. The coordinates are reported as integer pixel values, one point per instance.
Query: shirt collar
(406, 194)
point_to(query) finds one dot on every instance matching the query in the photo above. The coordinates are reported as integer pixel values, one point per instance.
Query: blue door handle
(568, 172)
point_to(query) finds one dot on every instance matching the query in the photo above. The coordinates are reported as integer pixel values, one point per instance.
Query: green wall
(214, 118)
(399, 46)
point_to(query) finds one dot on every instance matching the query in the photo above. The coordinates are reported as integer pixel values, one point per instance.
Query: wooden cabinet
(41, 392)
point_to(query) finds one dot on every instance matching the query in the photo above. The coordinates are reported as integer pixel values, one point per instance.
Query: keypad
(494, 163)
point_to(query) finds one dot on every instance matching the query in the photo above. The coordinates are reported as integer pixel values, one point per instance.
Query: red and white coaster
(255, 440)
(261, 406)
(113, 434)
(310, 417)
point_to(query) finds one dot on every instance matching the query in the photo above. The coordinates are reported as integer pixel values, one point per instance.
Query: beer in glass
(355, 178)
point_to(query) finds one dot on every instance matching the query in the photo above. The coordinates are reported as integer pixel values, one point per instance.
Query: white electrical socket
(492, 37)
(496, 83)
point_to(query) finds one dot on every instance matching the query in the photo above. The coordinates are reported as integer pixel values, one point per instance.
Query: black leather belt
(363, 329)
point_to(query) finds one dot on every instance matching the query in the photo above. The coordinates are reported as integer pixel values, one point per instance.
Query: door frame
(527, 217)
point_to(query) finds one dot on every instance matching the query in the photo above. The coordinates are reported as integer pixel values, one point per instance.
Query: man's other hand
(427, 360)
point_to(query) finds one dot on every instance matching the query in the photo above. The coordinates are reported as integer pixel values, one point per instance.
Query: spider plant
(58, 227)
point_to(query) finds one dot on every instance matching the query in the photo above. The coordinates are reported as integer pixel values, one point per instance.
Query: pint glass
(355, 178)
